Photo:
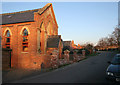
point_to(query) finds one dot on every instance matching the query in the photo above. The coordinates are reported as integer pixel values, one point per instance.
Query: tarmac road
(91, 70)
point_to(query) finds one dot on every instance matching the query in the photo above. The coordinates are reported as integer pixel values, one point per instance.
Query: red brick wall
(30, 59)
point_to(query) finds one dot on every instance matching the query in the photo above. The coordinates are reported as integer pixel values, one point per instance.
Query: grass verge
(93, 54)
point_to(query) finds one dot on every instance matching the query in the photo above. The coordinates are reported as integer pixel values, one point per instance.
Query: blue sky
(79, 21)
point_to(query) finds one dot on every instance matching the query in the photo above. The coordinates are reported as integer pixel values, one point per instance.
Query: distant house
(54, 42)
(27, 34)
(67, 45)
(74, 46)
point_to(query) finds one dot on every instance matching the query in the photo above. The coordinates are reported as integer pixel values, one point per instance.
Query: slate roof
(53, 41)
(22, 16)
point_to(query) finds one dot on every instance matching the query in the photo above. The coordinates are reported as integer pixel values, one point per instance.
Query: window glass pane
(25, 33)
(118, 56)
(7, 46)
(8, 40)
(116, 60)
(8, 34)
(25, 44)
(25, 39)
(25, 48)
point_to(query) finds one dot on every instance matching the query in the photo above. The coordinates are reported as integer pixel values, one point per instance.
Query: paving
(18, 74)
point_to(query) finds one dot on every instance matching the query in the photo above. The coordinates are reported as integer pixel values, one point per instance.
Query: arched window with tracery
(25, 40)
(7, 40)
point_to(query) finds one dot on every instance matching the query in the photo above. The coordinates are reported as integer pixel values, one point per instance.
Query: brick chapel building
(30, 34)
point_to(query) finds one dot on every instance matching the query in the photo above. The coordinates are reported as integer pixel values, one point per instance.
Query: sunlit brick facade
(26, 34)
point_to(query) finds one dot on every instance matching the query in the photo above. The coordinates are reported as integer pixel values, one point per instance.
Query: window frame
(25, 43)
(7, 44)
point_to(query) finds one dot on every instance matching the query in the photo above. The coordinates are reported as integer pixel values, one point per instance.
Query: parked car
(113, 70)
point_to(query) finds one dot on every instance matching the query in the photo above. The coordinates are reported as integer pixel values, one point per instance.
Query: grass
(50, 69)
(58, 67)
(82, 59)
(116, 51)
(93, 54)
(63, 65)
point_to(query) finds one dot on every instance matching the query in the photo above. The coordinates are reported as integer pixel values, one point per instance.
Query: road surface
(91, 70)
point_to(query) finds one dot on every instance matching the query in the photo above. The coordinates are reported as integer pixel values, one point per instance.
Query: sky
(119, 13)
(79, 21)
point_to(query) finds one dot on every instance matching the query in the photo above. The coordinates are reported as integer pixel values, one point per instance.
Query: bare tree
(116, 34)
(112, 40)
(101, 43)
(89, 46)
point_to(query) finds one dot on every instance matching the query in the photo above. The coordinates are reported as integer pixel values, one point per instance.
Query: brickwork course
(39, 23)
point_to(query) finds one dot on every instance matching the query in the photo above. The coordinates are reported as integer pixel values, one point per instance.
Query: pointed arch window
(7, 40)
(25, 40)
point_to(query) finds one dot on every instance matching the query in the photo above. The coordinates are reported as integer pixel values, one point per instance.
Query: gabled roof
(53, 41)
(18, 17)
(22, 16)
(67, 43)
